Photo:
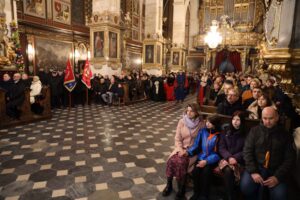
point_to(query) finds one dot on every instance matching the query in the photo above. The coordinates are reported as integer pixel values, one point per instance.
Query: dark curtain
(221, 55)
(234, 57)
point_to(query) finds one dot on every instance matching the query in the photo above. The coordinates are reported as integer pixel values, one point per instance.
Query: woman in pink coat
(178, 163)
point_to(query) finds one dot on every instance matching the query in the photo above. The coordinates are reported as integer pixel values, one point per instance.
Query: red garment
(186, 82)
(201, 95)
(169, 91)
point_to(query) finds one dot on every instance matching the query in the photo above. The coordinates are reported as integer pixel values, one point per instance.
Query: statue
(7, 54)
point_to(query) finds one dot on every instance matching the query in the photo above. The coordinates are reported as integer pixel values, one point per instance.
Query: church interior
(92, 94)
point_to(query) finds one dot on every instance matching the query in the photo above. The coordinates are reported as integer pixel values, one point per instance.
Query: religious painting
(136, 7)
(149, 54)
(175, 59)
(135, 34)
(113, 45)
(99, 44)
(62, 11)
(77, 12)
(82, 51)
(35, 8)
(158, 51)
(133, 61)
(194, 63)
(52, 53)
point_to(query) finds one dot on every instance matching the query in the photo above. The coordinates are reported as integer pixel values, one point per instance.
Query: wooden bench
(26, 115)
(208, 109)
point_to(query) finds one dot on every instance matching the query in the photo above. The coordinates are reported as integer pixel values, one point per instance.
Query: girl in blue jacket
(205, 146)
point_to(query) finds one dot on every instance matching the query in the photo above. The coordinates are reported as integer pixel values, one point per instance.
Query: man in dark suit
(15, 97)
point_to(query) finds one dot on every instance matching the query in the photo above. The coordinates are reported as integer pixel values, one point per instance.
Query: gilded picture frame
(175, 58)
(35, 8)
(52, 53)
(149, 53)
(62, 11)
(98, 44)
(113, 44)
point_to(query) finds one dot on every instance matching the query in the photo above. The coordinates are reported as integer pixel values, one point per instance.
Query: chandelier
(213, 37)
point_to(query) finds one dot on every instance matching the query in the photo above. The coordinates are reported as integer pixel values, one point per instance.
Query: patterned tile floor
(90, 152)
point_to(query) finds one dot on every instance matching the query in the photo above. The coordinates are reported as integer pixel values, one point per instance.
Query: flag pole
(70, 100)
(87, 95)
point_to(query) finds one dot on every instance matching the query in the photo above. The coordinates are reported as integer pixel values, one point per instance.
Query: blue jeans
(255, 191)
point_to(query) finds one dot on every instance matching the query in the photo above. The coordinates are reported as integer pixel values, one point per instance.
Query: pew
(2, 105)
(44, 100)
(26, 115)
(124, 100)
(208, 109)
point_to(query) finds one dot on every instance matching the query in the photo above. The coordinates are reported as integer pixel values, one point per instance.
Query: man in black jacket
(269, 156)
(15, 97)
(231, 104)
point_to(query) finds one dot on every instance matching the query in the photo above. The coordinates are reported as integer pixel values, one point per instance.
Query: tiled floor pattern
(91, 152)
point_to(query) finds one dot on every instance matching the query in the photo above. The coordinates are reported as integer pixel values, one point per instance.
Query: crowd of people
(229, 92)
(256, 162)
(201, 146)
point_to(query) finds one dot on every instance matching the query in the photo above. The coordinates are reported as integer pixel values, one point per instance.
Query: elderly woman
(35, 88)
(178, 162)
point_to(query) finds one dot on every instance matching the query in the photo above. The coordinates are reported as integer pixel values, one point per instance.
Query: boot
(181, 190)
(168, 189)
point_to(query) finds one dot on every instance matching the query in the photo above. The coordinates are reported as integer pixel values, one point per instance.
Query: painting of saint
(35, 8)
(113, 45)
(98, 44)
(175, 58)
(149, 54)
(158, 54)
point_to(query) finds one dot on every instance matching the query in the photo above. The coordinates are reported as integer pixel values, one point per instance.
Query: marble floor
(94, 153)
(90, 152)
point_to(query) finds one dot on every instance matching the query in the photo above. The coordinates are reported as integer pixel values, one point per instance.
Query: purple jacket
(231, 145)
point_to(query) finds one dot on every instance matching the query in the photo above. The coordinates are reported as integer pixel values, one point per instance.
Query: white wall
(8, 12)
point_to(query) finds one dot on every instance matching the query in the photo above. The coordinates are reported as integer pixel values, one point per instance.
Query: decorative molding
(105, 17)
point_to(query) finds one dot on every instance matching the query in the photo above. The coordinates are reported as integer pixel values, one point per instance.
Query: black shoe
(168, 189)
(181, 190)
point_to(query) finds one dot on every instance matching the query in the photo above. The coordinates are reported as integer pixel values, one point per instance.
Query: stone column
(275, 51)
(105, 37)
(153, 43)
(278, 27)
(178, 38)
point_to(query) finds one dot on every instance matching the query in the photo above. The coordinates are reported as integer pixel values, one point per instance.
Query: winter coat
(35, 89)
(253, 110)
(184, 138)
(225, 108)
(275, 140)
(205, 146)
(231, 145)
(16, 94)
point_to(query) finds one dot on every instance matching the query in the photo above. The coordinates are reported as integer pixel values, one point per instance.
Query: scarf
(190, 123)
